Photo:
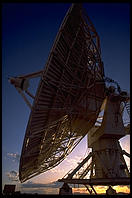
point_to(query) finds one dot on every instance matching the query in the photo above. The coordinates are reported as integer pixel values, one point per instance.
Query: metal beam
(99, 181)
(80, 165)
(125, 153)
(32, 75)
(24, 97)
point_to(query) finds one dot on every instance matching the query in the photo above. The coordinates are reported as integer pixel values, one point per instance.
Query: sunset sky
(28, 32)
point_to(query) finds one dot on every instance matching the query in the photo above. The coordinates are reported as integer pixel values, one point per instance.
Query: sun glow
(102, 190)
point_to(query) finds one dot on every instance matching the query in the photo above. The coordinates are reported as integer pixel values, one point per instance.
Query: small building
(110, 191)
(65, 190)
(9, 189)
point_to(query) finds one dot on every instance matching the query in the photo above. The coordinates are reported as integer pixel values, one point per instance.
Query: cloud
(57, 170)
(38, 191)
(73, 162)
(54, 184)
(125, 143)
(13, 175)
(124, 189)
(14, 156)
(80, 190)
(31, 184)
(53, 188)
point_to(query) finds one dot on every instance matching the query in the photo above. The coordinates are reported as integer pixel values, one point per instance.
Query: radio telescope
(70, 96)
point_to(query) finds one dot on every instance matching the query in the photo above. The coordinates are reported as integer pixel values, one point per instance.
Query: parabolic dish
(68, 97)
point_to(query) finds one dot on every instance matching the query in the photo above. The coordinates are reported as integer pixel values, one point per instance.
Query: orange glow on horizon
(101, 189)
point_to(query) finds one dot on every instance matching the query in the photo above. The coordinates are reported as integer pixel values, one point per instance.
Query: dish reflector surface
(68, 97)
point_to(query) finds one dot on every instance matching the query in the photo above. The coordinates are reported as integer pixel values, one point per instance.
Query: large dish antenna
(68, 97)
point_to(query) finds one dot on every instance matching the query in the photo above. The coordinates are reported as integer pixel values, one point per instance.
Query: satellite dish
(69, 97)
(67, 89)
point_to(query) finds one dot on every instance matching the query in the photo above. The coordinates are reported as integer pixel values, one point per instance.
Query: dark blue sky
(28, 32)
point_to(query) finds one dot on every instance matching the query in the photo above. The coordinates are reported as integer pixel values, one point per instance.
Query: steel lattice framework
(68, 97)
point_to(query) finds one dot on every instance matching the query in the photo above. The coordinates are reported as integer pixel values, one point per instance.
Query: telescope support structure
(105, 165)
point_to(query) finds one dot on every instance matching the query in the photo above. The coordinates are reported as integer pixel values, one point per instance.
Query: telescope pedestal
(108, 160)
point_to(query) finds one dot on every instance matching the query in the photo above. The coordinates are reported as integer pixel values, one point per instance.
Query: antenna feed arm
(20, 83)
